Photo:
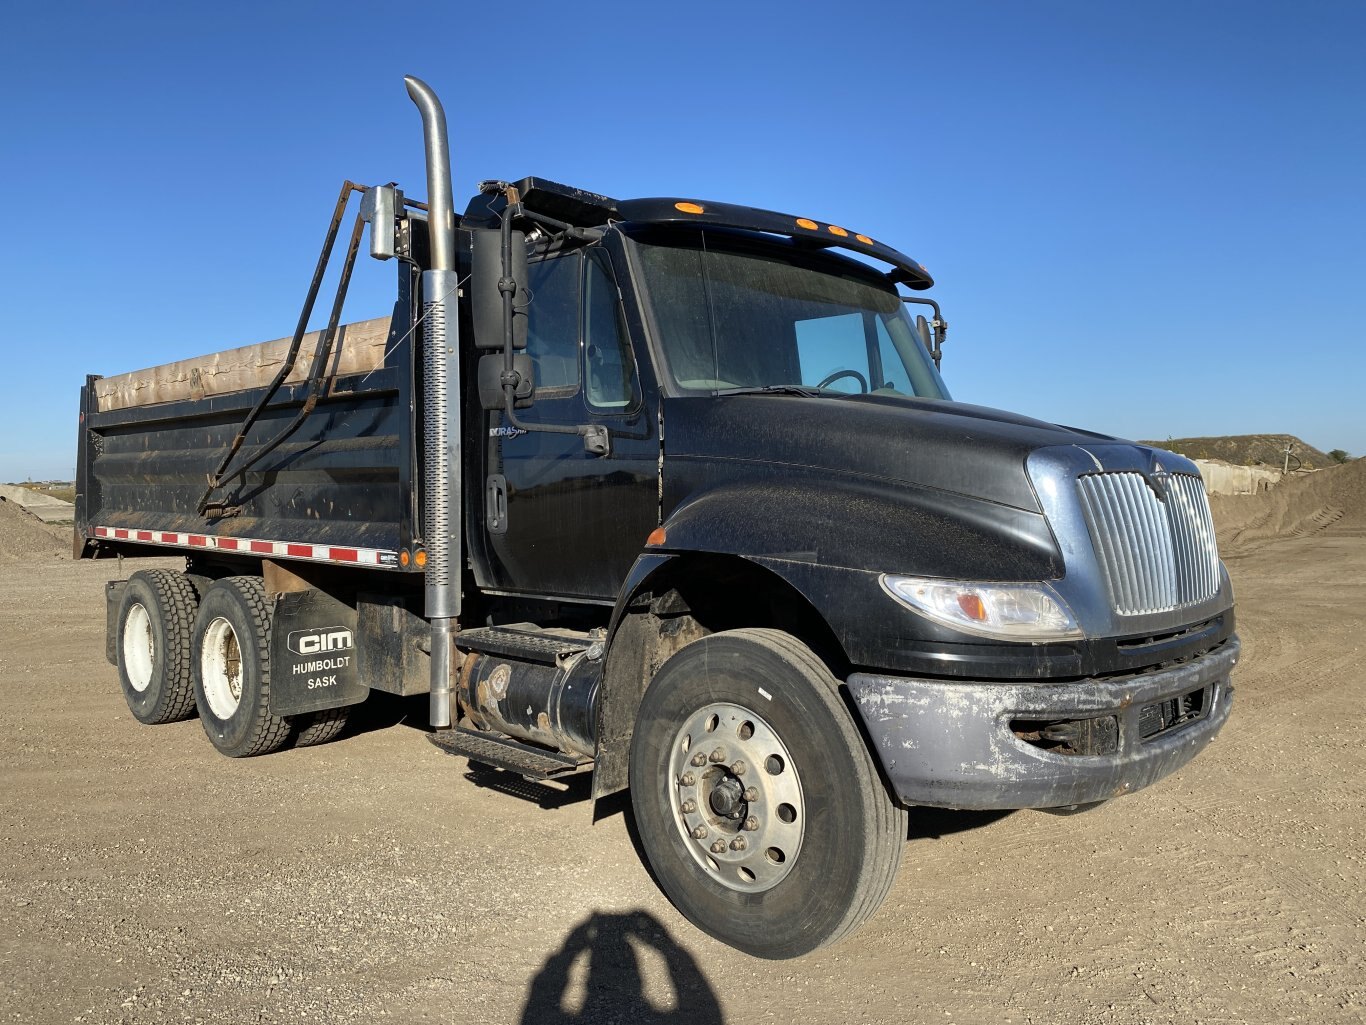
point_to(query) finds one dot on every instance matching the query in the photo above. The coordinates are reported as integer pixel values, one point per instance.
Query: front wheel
(757, 801)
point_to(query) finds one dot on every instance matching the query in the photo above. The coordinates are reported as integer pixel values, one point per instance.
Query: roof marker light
(689, 208)
(802, 222)
(834, 230)
(864, 239)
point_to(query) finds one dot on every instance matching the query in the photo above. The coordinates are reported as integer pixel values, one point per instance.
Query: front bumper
(954, 744)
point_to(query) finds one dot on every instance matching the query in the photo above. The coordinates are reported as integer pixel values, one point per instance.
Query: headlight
(1009, 611)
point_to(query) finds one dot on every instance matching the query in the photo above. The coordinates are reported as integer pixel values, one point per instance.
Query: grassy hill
(1247, 450)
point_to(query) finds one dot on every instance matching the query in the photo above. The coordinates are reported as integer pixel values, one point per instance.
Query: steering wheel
(832, 378)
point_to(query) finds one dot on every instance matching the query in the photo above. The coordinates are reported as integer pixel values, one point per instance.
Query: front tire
(758, 804)
(232, 669)
(156, 620)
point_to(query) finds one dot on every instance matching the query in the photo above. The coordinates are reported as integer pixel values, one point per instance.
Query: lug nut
(751, 823)
(719, 755)
(700, 759)
(738, 768)
(738, 844)
(687, 779)
(719, 847)
(689, 806)
(700, 833)
(751, 794)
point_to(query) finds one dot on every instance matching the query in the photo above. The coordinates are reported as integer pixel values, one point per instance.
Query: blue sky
(1146, 219)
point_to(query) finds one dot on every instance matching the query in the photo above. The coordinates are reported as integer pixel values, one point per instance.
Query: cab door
(560, 520)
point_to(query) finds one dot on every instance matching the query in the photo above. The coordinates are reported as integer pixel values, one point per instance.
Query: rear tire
(319, 727)
(231, 666)
(156, 621)
(800, 845)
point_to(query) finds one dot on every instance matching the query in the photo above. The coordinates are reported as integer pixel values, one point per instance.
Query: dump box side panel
(345, 479)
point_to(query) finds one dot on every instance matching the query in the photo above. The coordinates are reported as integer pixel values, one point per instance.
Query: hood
(967, 450)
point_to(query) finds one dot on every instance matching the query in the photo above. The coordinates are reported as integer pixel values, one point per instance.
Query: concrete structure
(1223, 478)
(45, 507)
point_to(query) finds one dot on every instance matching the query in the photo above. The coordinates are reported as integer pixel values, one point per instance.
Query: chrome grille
(1157, 555)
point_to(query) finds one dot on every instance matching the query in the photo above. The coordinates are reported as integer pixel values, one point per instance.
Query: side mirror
(486, 301)
(491, 381)
(922, 328)
(382, 206)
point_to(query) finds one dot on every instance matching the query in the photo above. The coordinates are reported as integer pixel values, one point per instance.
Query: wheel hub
(737, 797)
(220, 668)
(139, 647)
(727, 798)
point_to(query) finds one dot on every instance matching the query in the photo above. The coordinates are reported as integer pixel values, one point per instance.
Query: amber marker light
(689, 208)
(404, 558)
(864, 239)
(656, 538)
(834, 230)
(802, 222)
(420, 558)
(972, 607)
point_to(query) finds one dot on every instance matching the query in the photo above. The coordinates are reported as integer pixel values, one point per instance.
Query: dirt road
(144, 878)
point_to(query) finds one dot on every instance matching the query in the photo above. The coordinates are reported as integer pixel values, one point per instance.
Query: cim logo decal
(318, 641)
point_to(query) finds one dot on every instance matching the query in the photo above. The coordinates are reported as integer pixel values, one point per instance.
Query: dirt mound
(1335, 497)
(1248, 450)
(24, 537)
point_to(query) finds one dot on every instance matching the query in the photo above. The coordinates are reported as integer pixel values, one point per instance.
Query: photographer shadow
(598, 976)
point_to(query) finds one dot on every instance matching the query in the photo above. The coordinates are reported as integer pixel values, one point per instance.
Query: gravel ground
(144, 878)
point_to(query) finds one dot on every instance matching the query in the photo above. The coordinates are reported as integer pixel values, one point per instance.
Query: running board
(524, 641)
(505, 753)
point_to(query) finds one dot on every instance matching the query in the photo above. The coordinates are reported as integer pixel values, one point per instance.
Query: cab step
(524, 641)
(505, 753)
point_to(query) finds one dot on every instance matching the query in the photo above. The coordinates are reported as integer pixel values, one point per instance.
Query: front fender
(830, 542)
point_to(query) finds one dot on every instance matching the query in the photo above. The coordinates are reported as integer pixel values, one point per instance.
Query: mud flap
(113, 599)
(313, 662)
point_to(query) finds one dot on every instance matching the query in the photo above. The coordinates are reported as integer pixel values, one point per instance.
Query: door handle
(496, 504)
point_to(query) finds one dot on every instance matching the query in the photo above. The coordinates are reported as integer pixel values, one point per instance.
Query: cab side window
(553, 325)
(574, 321)
(609, 369)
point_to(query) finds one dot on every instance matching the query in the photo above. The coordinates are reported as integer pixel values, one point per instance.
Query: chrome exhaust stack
(441, 528)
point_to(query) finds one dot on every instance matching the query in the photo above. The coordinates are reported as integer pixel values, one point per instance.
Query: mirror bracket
(940, 325)
(596, 440)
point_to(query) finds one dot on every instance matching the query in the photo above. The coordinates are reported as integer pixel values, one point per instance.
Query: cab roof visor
(727, 215)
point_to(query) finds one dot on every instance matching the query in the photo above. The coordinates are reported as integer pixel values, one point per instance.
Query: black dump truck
(670, 491)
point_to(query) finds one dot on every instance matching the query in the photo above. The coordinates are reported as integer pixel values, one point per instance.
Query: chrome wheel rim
(139, 648)
(220, 668)
(736, 797)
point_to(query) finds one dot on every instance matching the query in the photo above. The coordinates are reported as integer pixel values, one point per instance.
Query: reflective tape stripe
(256, 546)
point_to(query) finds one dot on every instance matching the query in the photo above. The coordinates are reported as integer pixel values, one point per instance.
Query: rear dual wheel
(758, 803)
(173, 657)
(314, 728)
(231, 665)
(155, 623)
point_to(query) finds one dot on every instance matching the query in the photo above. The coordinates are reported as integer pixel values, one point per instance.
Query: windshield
(734, 316)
